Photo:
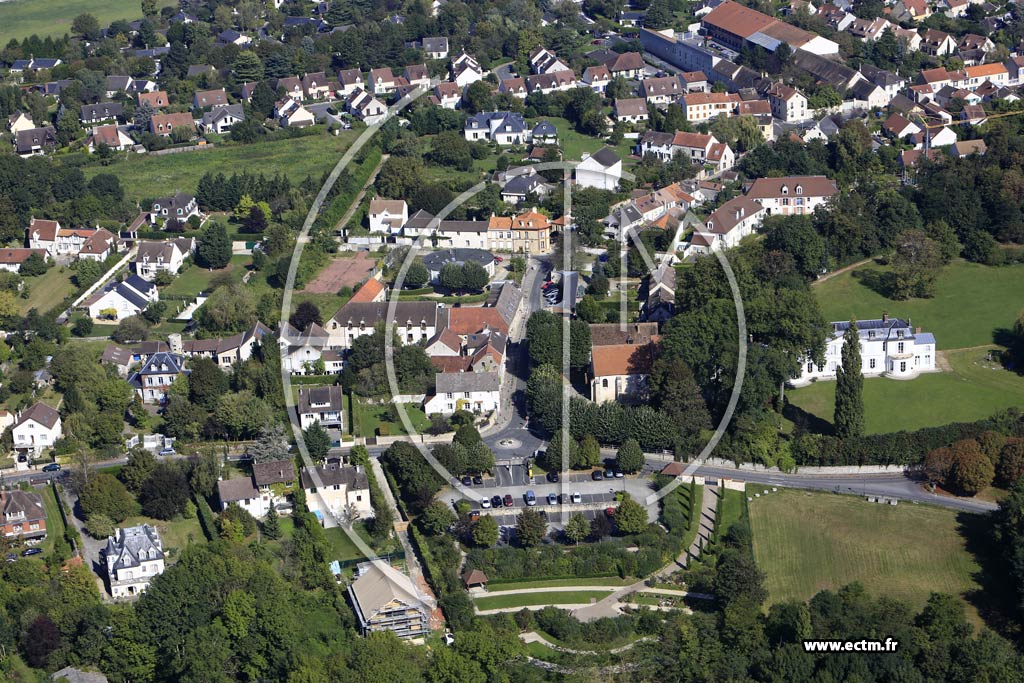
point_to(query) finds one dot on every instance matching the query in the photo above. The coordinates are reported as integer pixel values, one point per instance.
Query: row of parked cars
(530, 498)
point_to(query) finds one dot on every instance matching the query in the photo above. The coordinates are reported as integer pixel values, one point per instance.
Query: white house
(340, 490)
(504, 128)
(889, 347)
(792, 194)
(733, 221)
(478, 392)
(119, 300)
(366, 107)
(619, 372)
(134, 555)
(788, 104)
(291, 114)
(268, 487)
(388, 215)
(413, 321)
(36, 429)
(180, 206)
(157, 257)
(323, 405)
(220, 119)
(303, 350)
(465, 70)
(602, 169)
(12, 259)
(110, 136)
(152, 381)
(19, 121)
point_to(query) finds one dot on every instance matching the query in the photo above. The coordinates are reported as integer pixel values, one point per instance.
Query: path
(546, 589)
(708, 505)
(362, 193)
(829, 276)
(534, 637)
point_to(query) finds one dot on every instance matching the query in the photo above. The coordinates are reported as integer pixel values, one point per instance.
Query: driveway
(90, 548)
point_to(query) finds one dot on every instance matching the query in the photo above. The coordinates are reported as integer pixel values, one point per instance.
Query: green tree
(1011, 463)
(34, 265)
(589, 452)
(796, 236)
(247, 67)
(474, 276)
(589, 310)
(229, 309)
(86, 26)
(437, 518)
(213, 249)
(530, 527)
(485, 531)
(306, 313)
(165, 492)
(448, 666)
(104, 494)
(137, 470)
(318, 441)
(242, 414)
(915, 265)
(630, 457)
(99, 525)
(972, 471)
(452, 277)
(272, 525)
(577, 528)
(416, 276)
(849, 411)
(675, 393)
(544, 397)
(659, 15)
(206, 383)
(630, 516)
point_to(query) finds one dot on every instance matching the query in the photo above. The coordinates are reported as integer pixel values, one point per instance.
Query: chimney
(917, 330)
(885, 316)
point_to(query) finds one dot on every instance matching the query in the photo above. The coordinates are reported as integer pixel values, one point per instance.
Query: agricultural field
(973, 387)
(807, 542)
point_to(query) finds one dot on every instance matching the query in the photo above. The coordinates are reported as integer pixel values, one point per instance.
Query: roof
(334, 474)
(27, 140)
(731, 213)
(982, 70)
(469, 320)
(606, 157)
(310, 400)
(611, 334)
(103, 110)
(117, 355)
(632, 106)
(234, 490)
(73, 675)
(393, 206)
(691, 99)
(474, 577)
(455, 382)
(627, 61)
(968, 147)
(380, 586)
(47, 229)
(129, 546)
(812, 186)
(17, 503)
(273, 472)
(368, 291)
(19, 254)
(208, 98)
(622, 359)
(738, 19)
(508, 301)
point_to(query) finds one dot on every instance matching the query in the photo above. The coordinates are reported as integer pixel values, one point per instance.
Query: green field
(574, 144)
(178, 533)
(971, 301)
(196, 279)
(494, 588)
(21, 18)
(529, 599)
(47, 290)
(145, 176)
(54, 521)
(974, 388)
(367, 418)
(807, 542)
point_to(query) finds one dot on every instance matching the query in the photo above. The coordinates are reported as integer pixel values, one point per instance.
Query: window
(899, 348)
(903, 366)
(604, 383)
(810, 367)
(450, 395)
(871, 363)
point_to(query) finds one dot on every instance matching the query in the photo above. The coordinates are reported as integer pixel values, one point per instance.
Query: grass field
(47, 290)
(984, 299)
(145, 176)
(177, 533)
(54, 522)
(574, 144)
(975, 388)
(367, 418)
(527, 599)
(557, 583)
(21, 18)
(807, 542)
(342, 547)
(196, 279)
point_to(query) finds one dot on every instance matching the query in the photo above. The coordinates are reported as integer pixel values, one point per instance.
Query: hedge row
(205, 515)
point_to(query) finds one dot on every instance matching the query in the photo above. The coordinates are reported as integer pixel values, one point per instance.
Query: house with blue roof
(119, 300)
(889, 347)
(153, 380)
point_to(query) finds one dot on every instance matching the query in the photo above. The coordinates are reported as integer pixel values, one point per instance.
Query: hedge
(205, 515)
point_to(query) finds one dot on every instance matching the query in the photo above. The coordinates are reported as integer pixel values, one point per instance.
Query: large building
(736, 26)
(385, 599)
(134, 555)
(340, 490)
(619, 372)
(889, 347)
(792, 194)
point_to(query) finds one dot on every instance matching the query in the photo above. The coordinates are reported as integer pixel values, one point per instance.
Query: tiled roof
(622, 359)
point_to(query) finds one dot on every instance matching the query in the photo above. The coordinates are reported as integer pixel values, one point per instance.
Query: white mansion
(889, 347)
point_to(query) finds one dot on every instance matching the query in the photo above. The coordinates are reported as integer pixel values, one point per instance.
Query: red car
(499, 259)
(509, 502)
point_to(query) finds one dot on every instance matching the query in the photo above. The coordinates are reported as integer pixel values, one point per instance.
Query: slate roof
(234, 490)
(41, 413)
(330, 396)
(456, 382)
(273, 472)
(334, 474)
(133, 545)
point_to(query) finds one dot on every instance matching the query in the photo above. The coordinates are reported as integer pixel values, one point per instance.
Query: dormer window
(799, 189)
(785, 189)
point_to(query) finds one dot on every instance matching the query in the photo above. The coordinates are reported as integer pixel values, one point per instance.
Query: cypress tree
(271, 525)
(849, 417)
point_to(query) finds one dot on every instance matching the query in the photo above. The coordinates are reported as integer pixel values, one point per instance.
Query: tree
(530, 527)
(206, 383)
(306, 313)
(82, 326)
(166, 492)
(448, 666)
(675, 393)
(270, 446)
(86, 26)
(474, 276)
(544, 397)
(143, 115)
(42, 637)
(630, 516)
(99, 525)
(154, 312)
(915, 265)
(34, 265)
(105, 495)
(577, 528)
(229, 309)
(247, 67)
(589, 310)
(272, 525)
(242, 414)
(452, 277)
(1011, 463)
(972, 471)
(137, 470)
(416, 276)
(796, 236)
(263, 99)
(132, 329)
(213, 249)
(256, 222)
(849, 411)
(629, 458)
(589, 452)
(318, 441)
(437, 518)
(659, 15)
(485, 531)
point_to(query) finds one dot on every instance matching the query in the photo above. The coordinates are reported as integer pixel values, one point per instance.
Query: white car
(485, 504)
(577, 498)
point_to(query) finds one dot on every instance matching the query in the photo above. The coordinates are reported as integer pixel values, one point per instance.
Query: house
(464, 70)
(36, 429)
(164, 124)
(417, 75)
(232, 37)
(792, 194)
(838, 19)
(413, 321)
(156, 257)
(109, 136)
(291, 114)
(350, 80)
(22, 516)
(597, 77)
(382, 81)
(134, 555)
(477, 392)
(435, 48)
(700, 148)
(942, 137)
(544, 133)
(58, 241)
(35, 141)
(911, 11)
(221, 119)
(210, 98)
(156, 376)
(525, 233)
(11, 259)
(521, 186)
(997, 74)
(180, 206)
(34, 64)
(323, 405)
(119, 300)
(889, 82)
(630, 110)
(502, 127)
(117, 357)
(937, 43)
(619, 372)
(388, 215)
(246, 90)
(869, 30)
(661, 294)
(733, 221)
(544, 61)
(366, 107)
(372, 290)
(449, 95)
(661, 91)
(99, 245)
(303, 352)
(788, 104)
(699, 107)
(384, 599)
(626, 64)
(602, 170)
(737, 27)
(606, 334)
(19, 121)
(292, 87)
(104, 111)
(889, 347)
(435, 261)
(343, 491)
(226, 351)
(966, 148)
(547, 83)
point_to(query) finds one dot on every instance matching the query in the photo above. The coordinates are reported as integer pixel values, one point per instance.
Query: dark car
(596, 475)
(496, 501)
(553, 477)
(31, 551)
(478, 480)
(508, 500)
(52, 467)
(467, 481)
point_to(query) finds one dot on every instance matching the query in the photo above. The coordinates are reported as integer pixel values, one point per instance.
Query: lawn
(528, 599)
(971, 301)
(808, 542)
(974, 388)
(47, 290)
(342, 547)
(732, 510)
(557, 583)
(21, 18)
(196, 279)
(175, 534)
(144, 176)
(574, 144)
(368, 418)
(54, 521)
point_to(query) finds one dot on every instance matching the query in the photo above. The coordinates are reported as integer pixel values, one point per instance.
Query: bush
(99, 525)
(82, 327)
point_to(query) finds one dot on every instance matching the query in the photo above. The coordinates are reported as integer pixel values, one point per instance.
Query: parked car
(12, 557)
(509, 502)
(31, 551)
(596, 475)
(167, 451)
(609, 473)
(499, 259)
(478, 480)
(496, 501)
(552, 499)
(485, 503)
(553, 477)
(52, 467)
(531, 498)
(619, 474)
(577, 498)
(467, 481)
